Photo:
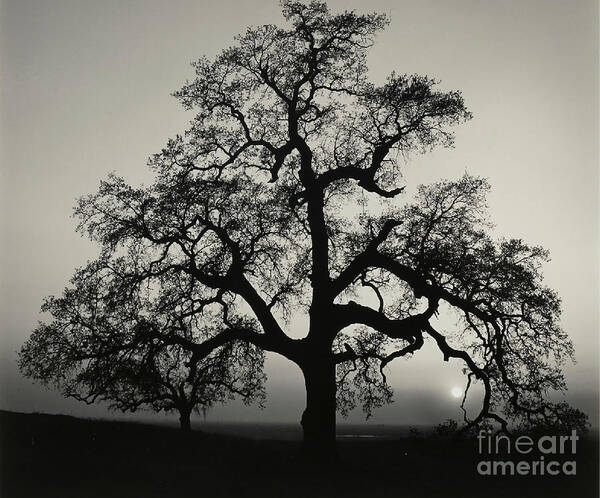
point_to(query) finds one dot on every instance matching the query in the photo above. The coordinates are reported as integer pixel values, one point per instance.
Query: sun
(456, 392)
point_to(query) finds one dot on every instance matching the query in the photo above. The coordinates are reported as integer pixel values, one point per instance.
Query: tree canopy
(285, 196)
(91, 352)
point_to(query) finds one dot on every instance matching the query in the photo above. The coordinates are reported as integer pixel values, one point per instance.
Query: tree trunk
(318, 419)
(185, 419)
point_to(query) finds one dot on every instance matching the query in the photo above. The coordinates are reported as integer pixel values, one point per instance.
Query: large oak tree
(285, 196)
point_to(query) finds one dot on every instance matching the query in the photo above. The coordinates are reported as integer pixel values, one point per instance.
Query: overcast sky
(85, 90)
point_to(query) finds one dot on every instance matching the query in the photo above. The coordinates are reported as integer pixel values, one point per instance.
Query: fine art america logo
(524, 456)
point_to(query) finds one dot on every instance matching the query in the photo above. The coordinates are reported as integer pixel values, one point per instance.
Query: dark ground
(58, 456)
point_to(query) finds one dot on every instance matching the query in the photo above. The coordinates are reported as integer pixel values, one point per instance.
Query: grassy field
(58, 456)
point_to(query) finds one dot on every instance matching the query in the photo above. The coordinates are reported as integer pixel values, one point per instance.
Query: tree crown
(249, 209)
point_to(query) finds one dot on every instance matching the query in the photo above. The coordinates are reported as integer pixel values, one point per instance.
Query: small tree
(91, 351)
(249, 207)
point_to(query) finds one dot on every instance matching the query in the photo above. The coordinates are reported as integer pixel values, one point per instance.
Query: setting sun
(456, 392)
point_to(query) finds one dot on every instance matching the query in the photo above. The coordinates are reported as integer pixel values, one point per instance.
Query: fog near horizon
(86, 90)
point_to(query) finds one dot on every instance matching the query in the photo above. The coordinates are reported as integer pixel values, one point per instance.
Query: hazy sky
(85, 90)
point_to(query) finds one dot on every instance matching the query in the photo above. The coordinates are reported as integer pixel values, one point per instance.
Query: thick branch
(363, 260)
(406, 328)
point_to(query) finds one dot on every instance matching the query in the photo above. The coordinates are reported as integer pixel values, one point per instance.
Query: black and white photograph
(299, 248)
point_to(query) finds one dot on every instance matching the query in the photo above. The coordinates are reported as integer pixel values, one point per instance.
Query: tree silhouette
(90, 350)
(284, 197)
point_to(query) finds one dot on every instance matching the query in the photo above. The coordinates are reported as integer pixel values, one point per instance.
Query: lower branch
(450, 352)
